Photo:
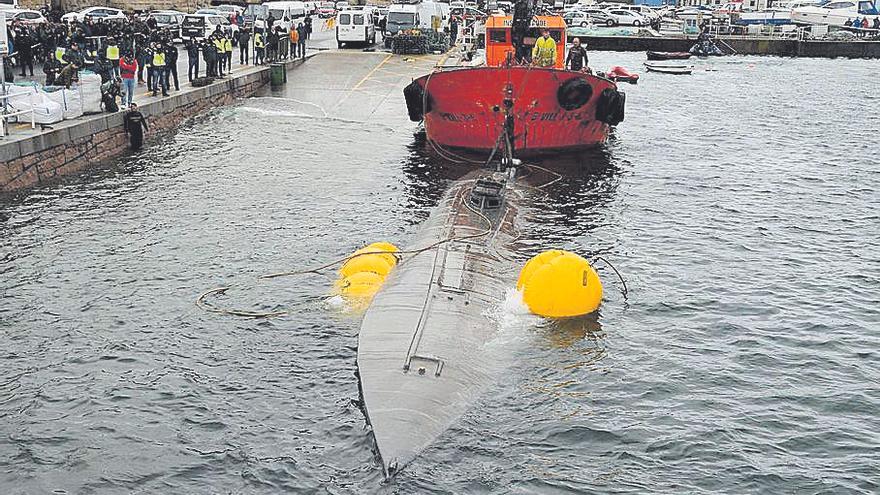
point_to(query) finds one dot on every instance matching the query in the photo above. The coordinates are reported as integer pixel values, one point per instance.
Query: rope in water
(201, 301)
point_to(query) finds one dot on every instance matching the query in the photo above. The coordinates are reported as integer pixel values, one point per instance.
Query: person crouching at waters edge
(135, 124)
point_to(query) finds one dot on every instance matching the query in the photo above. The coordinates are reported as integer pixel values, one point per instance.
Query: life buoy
(574, 93)
(417, 103)
(610, 106)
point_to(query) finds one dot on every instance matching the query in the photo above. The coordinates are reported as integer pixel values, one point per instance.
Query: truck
(423, 16)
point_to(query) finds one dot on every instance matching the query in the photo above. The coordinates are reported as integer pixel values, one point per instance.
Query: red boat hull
(465, 108)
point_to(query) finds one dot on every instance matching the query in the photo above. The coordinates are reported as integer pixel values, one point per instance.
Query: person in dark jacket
(302, 40)
(308, 26)
(209, 52)
(171, 56)
(192, 54)
(244, 39)
(24, 45)
(135, 124)
(576, 59)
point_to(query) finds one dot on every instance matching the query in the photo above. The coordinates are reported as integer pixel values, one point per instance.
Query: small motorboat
(668, 55)
(670, 68)
(618, 74)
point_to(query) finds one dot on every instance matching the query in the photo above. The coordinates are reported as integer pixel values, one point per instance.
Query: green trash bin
(278, 74)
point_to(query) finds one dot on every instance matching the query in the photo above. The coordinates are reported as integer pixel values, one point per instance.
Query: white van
(284, 13)
(355, 25)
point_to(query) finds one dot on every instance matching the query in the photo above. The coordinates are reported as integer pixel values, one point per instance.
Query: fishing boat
(540, 108)
(670, 68)
(668, 55)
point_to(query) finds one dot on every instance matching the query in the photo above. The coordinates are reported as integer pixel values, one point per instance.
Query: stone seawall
(75, 145)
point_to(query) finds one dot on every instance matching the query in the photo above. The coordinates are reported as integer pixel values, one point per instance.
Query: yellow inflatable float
(559, 284)
(364, 272)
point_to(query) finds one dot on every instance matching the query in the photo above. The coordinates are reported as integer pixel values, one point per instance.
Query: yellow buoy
(558, 284)
(363, 274)
(360, 285)
(376, 263)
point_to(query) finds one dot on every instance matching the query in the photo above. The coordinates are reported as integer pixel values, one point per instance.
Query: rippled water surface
(740, 203)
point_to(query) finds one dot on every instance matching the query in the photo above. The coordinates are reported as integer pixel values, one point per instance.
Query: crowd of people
(138, 51)
(862, 23)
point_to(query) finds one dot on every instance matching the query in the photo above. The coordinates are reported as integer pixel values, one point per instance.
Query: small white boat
(670, 68)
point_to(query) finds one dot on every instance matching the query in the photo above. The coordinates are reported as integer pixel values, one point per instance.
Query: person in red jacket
(127, 69)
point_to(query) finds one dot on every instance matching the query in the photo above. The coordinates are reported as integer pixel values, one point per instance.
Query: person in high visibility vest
(112, 55)
(259, 48)
(227, 50)
(221, 53)
(544, 52)
(159, 68)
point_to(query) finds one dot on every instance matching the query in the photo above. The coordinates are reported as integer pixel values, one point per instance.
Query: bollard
(278, 74)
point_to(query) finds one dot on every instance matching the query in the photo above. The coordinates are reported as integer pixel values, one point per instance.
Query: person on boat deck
(848, 23)
(544, 52)
(877, 22)
(577, 59)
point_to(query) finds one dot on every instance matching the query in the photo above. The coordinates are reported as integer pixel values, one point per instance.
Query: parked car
(341, 6)
(643, 10)
(104, 13)
(577, 18)
(203, 25)
(25, 16)
(168, 19)
(209, 11)
(623, 17)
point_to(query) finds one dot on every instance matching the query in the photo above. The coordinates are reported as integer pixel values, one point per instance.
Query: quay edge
(72, 146)
(743, 46)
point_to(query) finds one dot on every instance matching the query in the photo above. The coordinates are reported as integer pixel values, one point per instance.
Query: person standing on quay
(244, 39)
(294, 41)
(192, 55)
(159, 71)
(112, 55)
(302, 40)
(227, 49)
(220, 47)
(259, 48)
(128, 67)
(171, 56)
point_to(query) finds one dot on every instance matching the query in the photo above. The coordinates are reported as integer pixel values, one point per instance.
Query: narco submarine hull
(552, 109)
(421, 347)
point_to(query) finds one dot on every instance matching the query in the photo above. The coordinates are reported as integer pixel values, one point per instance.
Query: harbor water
(740, 204)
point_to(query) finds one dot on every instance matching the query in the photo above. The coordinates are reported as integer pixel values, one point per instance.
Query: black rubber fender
(574, 93)
(611, 106)
(417, 103)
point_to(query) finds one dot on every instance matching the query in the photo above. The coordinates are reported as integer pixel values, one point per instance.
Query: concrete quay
(29, 158)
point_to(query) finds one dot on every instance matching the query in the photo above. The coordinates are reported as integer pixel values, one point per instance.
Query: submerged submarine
(420, 361)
